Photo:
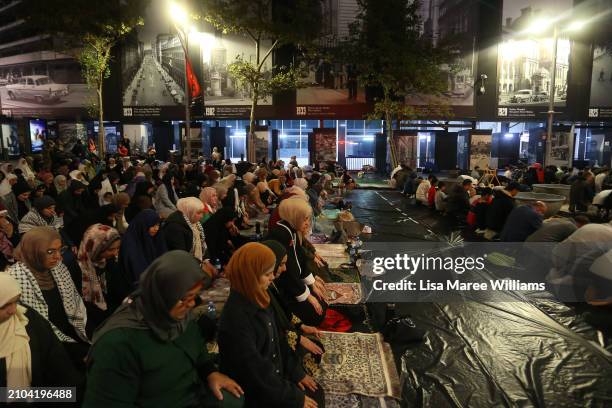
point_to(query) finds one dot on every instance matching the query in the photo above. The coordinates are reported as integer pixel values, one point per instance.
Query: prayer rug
(331, 250)
(359, 401)
(344, 293)
(358, 363)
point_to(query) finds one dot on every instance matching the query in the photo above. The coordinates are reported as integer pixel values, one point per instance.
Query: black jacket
(177, 233)
(256, 355)
(290, 282)
(217, 235)
(458, 202)
(499, 210)
(51, 366)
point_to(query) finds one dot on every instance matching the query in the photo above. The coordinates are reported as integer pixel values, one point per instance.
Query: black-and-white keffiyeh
(198, 249)
(33, 219)
(32, 296)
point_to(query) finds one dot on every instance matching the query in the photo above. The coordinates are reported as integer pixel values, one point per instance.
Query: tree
(268, 24)
(87, 30)
(388, 49)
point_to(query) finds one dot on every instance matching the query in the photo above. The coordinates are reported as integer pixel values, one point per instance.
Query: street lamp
(539, 26)
(181, 20)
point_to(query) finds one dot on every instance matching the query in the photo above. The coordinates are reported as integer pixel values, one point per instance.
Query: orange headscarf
(244, 269)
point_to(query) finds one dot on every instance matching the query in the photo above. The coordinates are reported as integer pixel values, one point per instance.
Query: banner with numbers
(154, 70)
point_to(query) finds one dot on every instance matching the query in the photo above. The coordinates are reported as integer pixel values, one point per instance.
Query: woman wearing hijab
(6, 168)
(222, 236)
(290, 324)
(6, 187)
(27, 172)
(17, 202)
(141, 200)
(166, 197)
(121, 201)
(6, 245)
(208, 196)
(140, 245)
(46, 287)
(251, 345)
(298, 284)
(42, 214)
(60, 183)
(30, 354)
(97, 252)
(71, 202)
(151, 353)
(78, 176)
(182, 230)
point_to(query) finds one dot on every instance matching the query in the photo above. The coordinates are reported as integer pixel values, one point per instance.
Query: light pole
(551, 94)
(179, 16)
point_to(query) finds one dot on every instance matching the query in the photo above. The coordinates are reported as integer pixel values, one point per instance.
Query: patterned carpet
(358, 363)
(344, 293)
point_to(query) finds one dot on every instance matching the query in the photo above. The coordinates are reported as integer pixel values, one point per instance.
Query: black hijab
(162, 285)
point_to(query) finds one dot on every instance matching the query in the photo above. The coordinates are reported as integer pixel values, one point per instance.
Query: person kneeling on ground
(251, 345)
(523, 221)
(500, 209)
(150, 353)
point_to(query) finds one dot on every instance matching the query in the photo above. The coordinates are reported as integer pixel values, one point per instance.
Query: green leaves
(251, 78)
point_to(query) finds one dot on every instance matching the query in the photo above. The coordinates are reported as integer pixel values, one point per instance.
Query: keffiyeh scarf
(32, 296)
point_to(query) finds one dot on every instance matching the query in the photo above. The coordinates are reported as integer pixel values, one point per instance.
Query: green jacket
(130, 367)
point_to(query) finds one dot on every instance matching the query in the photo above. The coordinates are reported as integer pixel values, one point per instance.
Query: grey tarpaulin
(533, 352)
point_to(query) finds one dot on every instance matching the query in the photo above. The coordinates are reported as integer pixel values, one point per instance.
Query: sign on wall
(406, 147)
(325, 145)
(525, 59)
(453, 25)
(559, 148)
(480, 151)
(600, 104)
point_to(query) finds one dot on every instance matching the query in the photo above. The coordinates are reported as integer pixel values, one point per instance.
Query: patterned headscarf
(97, 239)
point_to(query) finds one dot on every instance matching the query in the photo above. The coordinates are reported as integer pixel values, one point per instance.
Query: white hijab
(23, 165)
(5, 186)
(14, 339)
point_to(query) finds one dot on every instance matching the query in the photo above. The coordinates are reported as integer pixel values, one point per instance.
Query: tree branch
(263, 60)
(250, 34)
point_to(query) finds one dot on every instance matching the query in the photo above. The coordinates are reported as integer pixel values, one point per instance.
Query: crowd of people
(484, 206)
(104, 261)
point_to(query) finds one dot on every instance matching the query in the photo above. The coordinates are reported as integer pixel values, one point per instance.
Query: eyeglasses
(61, 250)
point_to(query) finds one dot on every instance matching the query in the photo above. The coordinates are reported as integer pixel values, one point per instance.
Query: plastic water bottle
(212, 310)
(217, 264)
